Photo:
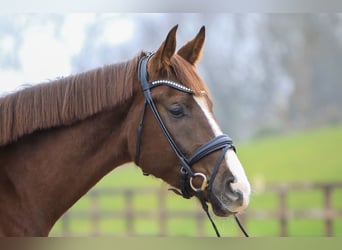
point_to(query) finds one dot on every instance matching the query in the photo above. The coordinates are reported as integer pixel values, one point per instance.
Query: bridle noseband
(221, 142)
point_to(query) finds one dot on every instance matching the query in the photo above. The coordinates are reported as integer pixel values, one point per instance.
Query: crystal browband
(172, 85)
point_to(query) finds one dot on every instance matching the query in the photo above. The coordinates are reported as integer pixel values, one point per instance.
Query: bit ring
(203, 185)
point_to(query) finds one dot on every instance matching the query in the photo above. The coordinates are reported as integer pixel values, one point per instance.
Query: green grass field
(313, 156)
(310, 156)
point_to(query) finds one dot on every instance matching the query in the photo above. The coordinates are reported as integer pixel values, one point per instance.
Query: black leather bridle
(221, 142)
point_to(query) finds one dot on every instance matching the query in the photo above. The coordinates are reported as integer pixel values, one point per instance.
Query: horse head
(179, 139)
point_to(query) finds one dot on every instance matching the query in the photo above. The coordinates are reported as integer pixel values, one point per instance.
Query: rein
(221, 142)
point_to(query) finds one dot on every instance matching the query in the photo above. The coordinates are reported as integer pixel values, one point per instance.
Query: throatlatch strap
(141, 123)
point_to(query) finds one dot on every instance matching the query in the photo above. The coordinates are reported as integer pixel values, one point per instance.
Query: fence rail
(283, 213)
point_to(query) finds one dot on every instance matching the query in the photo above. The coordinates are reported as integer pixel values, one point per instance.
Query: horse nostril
(232, 194)
(228, 184)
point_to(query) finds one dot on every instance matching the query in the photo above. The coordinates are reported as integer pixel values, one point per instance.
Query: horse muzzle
(226, 199)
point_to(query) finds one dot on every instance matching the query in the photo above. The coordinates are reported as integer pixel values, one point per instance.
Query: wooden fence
(327, 212)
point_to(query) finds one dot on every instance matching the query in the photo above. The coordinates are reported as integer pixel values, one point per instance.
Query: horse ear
(162, 57)
(192, 51)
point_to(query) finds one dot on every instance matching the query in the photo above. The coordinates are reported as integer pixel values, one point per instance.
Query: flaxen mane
(66, 100)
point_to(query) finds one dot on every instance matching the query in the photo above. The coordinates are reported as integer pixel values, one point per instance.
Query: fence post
(162, 212)
(243, 219)
(282, 211)
(200, 219)
(94, 212)
(129, 212)
(327, 210)
(65, 221)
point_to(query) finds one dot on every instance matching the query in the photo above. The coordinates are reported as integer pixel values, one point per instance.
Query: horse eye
(177, 111)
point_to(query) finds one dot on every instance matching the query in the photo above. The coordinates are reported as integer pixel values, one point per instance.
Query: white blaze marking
(204, 106)
(241, 182)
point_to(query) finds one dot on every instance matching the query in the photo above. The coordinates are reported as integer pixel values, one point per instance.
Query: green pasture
(314, 155)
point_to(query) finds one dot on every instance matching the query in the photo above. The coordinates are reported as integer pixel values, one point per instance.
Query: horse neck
(58, 166)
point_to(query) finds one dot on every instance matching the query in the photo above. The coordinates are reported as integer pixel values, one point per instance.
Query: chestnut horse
(58, 139)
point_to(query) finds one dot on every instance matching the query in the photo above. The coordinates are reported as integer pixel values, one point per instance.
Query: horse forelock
(187, 75)
(66, 100)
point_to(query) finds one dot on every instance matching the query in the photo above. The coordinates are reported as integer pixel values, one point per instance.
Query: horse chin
(219, 207)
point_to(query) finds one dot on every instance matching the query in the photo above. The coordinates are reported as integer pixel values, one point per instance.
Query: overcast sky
(42, 54)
